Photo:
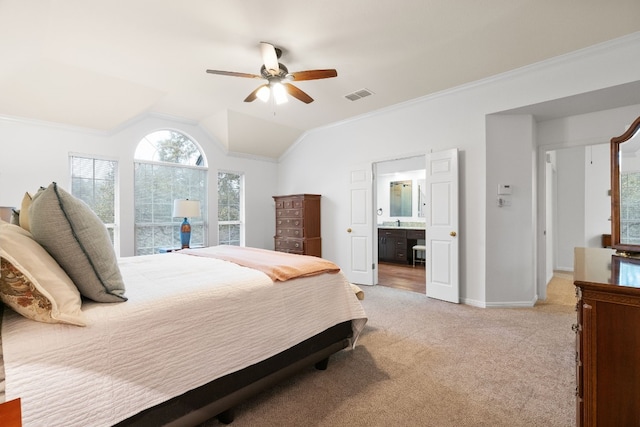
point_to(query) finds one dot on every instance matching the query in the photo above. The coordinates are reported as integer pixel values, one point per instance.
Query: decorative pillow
(24, 208)
(78, 240)
(32, 283)
(15, 217)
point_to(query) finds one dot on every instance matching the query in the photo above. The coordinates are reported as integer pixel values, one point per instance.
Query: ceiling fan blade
(313, 74)
(270, 58)
(234, 74)
(253, 95)
(297, 93)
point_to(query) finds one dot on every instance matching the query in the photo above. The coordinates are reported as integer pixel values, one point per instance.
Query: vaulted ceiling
(100, 64)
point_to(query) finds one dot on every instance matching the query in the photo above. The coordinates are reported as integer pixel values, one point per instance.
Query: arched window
(168, 166)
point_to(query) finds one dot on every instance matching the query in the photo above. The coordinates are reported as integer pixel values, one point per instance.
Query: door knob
(453, 234)
(348, 230)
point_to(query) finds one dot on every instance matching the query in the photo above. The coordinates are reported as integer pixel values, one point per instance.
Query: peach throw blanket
(277, 265)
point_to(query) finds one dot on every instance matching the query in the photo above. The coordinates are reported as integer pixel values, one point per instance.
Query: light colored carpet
(423, 362)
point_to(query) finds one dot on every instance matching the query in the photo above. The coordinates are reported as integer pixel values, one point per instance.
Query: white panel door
(360, 228)
(442, 226)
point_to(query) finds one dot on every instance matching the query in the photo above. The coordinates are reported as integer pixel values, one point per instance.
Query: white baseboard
(473, 302)
(510, 304)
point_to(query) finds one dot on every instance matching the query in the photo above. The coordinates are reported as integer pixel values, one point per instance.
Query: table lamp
(185, 208)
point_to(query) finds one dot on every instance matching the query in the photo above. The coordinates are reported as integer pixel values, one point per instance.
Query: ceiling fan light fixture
(263, 94)
(279, 93)
(276, 74)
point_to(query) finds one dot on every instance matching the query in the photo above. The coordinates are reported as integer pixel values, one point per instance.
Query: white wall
(546, 222)
(570, 205)
(511, 229)
(321, 162)
(35, 154)
(597, 200)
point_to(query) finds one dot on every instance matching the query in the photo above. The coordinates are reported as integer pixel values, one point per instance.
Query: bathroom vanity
(395, 243)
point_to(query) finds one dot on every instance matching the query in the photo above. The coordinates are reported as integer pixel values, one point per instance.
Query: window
(230, 209)
(630, 207)
(94, 182)
(168, 166)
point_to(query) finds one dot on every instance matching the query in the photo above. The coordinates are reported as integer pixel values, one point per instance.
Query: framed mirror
(625, 191)
(400, 194)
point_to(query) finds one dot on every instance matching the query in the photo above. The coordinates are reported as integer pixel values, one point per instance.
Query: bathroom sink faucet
(398, 221)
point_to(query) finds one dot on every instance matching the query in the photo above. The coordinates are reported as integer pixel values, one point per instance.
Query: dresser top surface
(299, 196)
(602, 267)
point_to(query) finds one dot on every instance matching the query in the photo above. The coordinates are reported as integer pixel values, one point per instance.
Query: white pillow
(32, 282)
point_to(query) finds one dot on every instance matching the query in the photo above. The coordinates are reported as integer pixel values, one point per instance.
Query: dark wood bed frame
(218, 398)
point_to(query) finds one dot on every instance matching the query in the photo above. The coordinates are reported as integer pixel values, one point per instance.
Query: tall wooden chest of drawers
(298, 224)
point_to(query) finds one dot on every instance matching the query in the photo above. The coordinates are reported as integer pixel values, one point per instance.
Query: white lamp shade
(279, 93)
(185, 208)
(263, 93)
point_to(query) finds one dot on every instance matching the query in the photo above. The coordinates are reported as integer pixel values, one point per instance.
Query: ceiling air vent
(359, 94)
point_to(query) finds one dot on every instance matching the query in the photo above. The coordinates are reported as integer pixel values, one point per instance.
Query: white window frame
(115, 226)
(241, 221)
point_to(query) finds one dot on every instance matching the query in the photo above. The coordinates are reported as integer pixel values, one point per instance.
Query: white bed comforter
(188, 321)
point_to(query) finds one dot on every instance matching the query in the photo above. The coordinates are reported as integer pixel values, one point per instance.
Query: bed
(199, 332)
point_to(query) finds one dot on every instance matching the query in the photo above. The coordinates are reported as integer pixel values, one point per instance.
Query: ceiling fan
(278, 77)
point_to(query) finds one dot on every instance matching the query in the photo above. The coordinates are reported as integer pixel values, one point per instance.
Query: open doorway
(577, 203)
(399, 203)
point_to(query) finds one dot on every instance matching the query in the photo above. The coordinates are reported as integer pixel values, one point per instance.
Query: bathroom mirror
(400, 197)
(625, 191)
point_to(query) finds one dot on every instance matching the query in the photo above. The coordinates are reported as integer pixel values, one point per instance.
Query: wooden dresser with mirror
(608, 310)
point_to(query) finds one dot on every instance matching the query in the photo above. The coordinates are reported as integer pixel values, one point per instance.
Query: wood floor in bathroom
(402, 276)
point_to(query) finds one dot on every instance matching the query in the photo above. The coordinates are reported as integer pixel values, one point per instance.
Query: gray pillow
(78, 240)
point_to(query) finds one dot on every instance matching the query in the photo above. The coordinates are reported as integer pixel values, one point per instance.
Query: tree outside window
(230, 209)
